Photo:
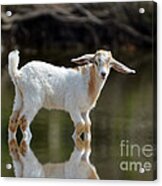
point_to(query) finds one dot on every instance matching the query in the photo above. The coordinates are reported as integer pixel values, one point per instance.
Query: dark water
(124, 112)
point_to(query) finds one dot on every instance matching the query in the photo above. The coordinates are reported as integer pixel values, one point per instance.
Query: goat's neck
(95, 84)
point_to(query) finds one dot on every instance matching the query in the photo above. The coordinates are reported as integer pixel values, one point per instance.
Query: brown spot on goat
(92, 93)
(14, 149)
(23, 123)
(13, 123)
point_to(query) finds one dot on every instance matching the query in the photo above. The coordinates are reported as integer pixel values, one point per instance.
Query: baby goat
(74, 90)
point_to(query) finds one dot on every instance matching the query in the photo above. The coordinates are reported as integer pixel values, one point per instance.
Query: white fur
(39, 84)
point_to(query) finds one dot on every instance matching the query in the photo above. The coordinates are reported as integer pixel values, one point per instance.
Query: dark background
(45, 30)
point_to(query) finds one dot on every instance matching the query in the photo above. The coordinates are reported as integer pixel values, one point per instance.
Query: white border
(42, 182)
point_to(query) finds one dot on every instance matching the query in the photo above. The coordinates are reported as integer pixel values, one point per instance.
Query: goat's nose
(103, 74)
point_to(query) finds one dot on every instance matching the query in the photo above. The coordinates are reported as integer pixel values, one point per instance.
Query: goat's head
(103, 61)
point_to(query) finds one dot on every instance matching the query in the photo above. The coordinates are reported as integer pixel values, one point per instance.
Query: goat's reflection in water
(26, 164)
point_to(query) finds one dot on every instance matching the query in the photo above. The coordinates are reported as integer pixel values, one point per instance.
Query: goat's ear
(119, 67)
(87, 58)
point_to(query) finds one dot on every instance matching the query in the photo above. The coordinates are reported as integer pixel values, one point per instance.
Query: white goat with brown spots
(74, 90)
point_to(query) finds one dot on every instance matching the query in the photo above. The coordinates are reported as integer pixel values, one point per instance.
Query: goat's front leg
(87, 151)
(78, 122)
(87, 121)
(87, 136)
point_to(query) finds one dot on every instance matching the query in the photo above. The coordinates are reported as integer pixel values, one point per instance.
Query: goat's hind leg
(12, 129)
(27, 135)
(13, 121)
(26, 116)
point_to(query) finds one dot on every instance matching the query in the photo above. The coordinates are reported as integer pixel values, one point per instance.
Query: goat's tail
(13, 62)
